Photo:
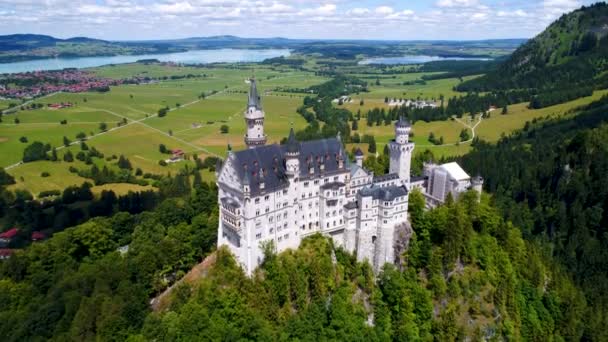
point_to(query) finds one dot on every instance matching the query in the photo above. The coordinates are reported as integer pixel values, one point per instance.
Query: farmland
(201, 100)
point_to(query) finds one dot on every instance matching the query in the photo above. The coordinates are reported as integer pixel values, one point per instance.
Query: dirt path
(160, 302)
(472, 128)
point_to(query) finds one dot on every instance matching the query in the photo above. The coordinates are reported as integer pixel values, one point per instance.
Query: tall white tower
(401, 151)
(292, 156)
(254, 118)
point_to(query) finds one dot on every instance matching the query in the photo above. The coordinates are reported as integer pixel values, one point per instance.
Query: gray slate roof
(388, 193)
(267, 163)
(254, 97)
(387, 177)
(403, 122)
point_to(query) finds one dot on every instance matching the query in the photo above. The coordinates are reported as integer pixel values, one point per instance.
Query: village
(34, 84)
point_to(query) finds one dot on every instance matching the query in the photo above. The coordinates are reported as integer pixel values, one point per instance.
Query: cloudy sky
(361, 19)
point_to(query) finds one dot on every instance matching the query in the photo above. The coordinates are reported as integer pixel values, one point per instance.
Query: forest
(468, 272)
(554, 188)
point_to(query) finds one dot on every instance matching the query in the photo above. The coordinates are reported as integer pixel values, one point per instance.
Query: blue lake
(414, 59)
(188, 57)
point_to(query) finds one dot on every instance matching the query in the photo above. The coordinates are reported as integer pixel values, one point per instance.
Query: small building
(177, 153)
(6, 253)
(38, 236)
(8, 235)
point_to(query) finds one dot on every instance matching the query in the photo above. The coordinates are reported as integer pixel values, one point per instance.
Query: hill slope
(20, 47)
(573, 50)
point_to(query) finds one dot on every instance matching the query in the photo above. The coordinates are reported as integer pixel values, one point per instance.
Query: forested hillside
(551, 180)
(572, 51)
(467, 273)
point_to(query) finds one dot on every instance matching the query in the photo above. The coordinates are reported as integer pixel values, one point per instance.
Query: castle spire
(254, 97)
(254, 118)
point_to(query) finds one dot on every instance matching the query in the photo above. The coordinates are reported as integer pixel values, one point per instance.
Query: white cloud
(479, 16)
(174, 8)
(323, 10)
(516, 13)
(456, 3)
(358, 11)
(384, 10)
(150, 19)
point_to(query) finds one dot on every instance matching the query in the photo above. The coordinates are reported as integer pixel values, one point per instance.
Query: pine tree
(372, 145)
(124, 163)
(68, 157)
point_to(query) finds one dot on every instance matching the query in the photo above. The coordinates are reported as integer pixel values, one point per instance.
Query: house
(8, 235)
(177, 153)
(6, 253)
(38, 236)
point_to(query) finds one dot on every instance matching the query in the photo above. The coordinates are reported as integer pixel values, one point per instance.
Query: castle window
(257, 200)
(257, 213)
(258, 236)
(266, 197)
(374, 239)
(306, 184)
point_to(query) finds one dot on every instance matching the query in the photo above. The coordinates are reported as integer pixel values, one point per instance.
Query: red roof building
(9, 234)
(177, 152)
(6, 253)
(37, 236)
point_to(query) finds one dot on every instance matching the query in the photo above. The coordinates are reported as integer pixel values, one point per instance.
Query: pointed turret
(403, 123)
(293, 146)
(254, 97)
(292, 155)
(359, 157)
(254, 118)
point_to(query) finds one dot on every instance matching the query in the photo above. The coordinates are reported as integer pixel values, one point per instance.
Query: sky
(337, 19)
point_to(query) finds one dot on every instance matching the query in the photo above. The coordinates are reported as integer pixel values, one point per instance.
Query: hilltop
(571, 51)
(22, 47)
(19, 47)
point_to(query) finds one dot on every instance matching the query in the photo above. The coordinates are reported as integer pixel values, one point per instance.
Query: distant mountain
(19, 47)
(572, 50)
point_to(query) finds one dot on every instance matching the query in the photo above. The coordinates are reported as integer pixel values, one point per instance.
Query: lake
(415, 59)
(188, 57)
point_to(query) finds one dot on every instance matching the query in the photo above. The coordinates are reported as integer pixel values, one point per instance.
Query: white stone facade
(283, 193)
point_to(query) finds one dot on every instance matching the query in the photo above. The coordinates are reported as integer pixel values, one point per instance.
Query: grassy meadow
(193, 122)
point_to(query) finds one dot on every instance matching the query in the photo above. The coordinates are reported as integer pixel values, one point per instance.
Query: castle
(283, 193)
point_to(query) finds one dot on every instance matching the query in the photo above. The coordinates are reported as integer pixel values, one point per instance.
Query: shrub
(162, 163)
(35, 151)
(23, 139)
(49, 193)
(45, 174)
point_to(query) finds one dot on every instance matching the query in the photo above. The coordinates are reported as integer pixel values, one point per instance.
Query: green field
(193, 123)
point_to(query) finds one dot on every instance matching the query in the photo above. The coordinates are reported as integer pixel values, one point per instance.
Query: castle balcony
(235, 226)
(256, 140)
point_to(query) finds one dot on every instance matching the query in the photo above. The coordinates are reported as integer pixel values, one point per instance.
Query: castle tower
(359, 157)
(477, 185)
(292, 156)
(254, 118)
(401, 151)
